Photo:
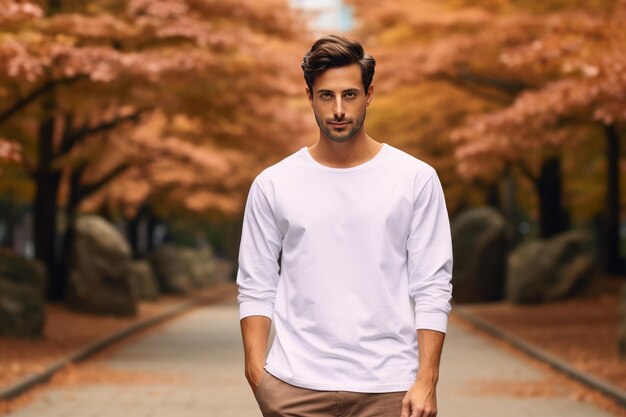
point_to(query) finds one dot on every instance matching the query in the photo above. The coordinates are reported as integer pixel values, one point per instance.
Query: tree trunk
(511, 212)
(553, 218)
(134, 231)
(47, 183)
(612, 260)
(45, 204)
(492, 195)
(153, 222)
(9, 216)
(69, 232)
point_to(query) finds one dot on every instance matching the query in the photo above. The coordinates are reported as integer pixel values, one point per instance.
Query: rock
(621, 337)
(143, 282)
(480, 249)
(100, 265)
(201, 265)
(22, 296)
(171, 270)
(550, 269)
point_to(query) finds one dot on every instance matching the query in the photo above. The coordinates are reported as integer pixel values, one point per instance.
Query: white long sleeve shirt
(366, 260)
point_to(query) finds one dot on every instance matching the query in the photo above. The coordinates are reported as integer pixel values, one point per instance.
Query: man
(361, 297)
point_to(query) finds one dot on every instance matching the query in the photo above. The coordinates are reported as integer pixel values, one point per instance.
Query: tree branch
(476, 90)
(32, 96)
(71, 138)
(86, 190)
(526, 171)
(490, 88)
(510, 87)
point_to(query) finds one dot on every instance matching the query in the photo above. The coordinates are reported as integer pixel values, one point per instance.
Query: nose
(339, 111)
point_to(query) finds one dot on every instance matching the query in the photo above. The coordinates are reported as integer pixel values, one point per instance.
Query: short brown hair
(335, 51)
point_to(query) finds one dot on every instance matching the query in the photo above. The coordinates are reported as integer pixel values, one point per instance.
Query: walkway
(193, 367)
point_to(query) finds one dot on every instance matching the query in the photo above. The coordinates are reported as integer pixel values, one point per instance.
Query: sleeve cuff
(256, 308)
(431, 321)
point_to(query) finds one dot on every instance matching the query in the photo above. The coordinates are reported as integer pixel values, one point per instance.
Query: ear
(370, 94)
(309, 95)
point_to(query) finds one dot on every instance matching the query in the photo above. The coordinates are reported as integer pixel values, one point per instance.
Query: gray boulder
(200, 264)
(143, 282)
(22, 295)
(480, 249)
(171, 270)
(550, 269)
(100, 265)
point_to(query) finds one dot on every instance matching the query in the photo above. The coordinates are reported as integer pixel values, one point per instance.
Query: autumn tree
(500, 52)
(589, 92)
(184, 99)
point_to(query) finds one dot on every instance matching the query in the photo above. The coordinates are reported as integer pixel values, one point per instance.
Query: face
(339, 101)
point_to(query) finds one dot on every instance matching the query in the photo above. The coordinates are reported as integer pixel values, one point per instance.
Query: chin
(340, 139)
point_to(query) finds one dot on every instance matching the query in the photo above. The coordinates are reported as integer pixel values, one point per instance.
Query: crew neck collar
(307, 154)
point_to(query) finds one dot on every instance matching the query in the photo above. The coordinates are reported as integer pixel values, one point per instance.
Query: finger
(418, 411)
(405, 408)
(427, 412)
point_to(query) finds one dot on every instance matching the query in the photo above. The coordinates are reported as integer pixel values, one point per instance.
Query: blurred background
(131, 130)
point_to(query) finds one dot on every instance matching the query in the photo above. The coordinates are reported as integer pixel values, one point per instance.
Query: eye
(350, 94)
(325, 96)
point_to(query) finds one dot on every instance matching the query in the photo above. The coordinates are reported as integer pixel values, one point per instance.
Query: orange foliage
(588, 84)
(199, 177)
(544, 71)
(12, 12)
(191, 97)
(10, 151)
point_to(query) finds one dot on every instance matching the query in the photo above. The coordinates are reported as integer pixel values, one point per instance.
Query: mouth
(339, 124)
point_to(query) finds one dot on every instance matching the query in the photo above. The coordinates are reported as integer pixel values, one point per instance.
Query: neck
(358, 149)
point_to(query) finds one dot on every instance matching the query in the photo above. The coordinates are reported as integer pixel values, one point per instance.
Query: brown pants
(277, 398)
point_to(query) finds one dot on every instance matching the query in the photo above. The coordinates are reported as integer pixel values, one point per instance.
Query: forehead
(339, 79)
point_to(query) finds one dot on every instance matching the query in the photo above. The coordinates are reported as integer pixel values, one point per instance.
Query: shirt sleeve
(429, 251)
(257, 273)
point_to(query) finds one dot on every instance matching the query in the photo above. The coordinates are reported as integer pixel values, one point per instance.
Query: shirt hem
(332, 386)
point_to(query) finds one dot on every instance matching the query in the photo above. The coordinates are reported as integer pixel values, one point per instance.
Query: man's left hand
(420, 400)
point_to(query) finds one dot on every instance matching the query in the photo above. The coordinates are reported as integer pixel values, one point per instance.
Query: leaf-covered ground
(583, 330)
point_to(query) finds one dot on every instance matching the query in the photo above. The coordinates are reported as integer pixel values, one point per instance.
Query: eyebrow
(344, 91)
